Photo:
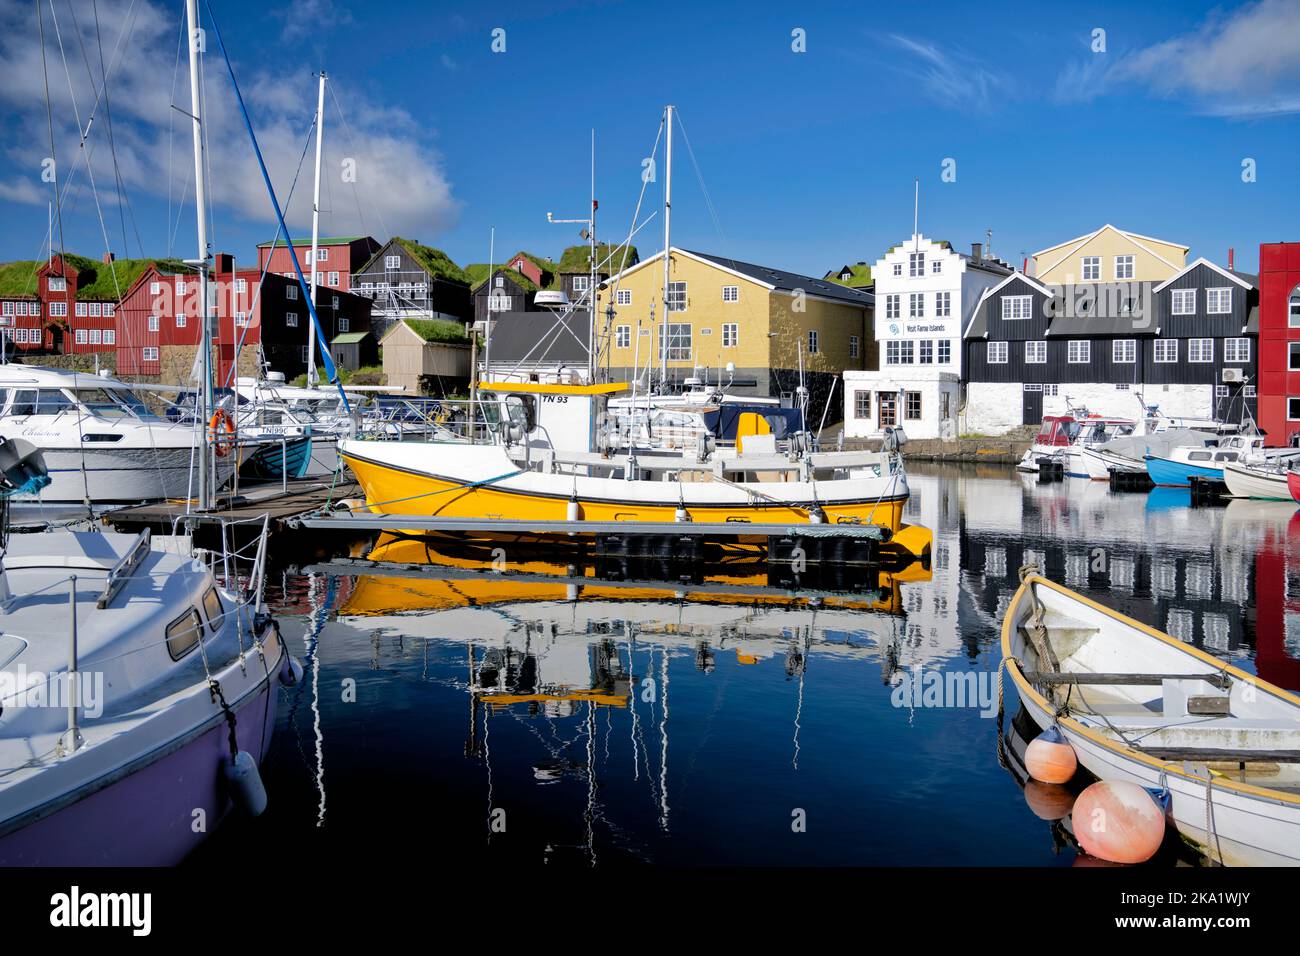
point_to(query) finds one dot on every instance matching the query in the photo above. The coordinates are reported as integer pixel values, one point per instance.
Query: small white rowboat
(1256, 481)
(1141, 706)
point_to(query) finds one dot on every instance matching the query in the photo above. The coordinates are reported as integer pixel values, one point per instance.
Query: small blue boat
(268, 461)
(1179, 474)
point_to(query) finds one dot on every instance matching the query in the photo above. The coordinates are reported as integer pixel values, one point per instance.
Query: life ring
(221, 421)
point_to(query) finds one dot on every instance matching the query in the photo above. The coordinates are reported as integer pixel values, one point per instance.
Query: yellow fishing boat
(552, 456)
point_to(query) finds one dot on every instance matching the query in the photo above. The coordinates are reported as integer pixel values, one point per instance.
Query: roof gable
(1202, 261)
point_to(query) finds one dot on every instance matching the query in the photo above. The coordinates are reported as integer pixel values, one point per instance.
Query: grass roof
(861, 276)
(438, 330)
(19, 278)
(95, 280)
(479, 273)
(322, 241)
(610, 259)
(437, 262)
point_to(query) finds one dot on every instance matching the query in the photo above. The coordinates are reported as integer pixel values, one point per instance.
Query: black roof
(790, 281)
(1104, 315)
(540, 337)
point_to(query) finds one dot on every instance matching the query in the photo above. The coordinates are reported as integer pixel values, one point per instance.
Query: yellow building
(1109, 255)
(722, 312)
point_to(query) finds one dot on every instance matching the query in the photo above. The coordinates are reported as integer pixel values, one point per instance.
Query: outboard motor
(894, 440)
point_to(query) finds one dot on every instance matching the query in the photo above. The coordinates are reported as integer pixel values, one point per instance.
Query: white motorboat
(1140, 706)
(100, 442)
(1263, 480)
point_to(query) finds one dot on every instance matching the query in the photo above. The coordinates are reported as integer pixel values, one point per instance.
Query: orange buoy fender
(1050, 758)
(1118, 821)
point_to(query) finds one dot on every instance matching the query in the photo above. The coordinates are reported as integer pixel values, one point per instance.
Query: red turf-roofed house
(1279, 340)
(337, 257)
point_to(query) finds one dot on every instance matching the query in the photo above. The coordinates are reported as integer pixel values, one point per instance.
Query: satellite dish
(731, 367)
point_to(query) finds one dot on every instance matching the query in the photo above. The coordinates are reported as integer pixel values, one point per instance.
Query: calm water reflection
(609, 725)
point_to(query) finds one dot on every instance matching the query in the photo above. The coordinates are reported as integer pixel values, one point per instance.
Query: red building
(1279, 340)
(159, 321)
(337, 257)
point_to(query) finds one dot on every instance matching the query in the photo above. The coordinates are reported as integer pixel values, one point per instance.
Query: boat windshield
(39, 401)
(111, 403)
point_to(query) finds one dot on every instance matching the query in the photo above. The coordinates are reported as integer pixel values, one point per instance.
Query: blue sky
(809, 158)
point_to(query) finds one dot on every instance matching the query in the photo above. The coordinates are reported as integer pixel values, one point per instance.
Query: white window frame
(291, 292)
(916, 305)
(345, 324)
(942, 305)
(1124, 266)
(1078, 352)
(149, 353)
(1017, 307)
(936, 267)
(180, 320)
(999, 353)
(1165, 351)
(58, 284)
(730, 335)
(915, 264)
(623, 337)
(1182, 302)
(291, 320)
(82, 309)
(1123, 351)
(1218, 301)
(110, 336)
(893, 305)
(855, 345)
(392, 262)
(672, 338)
(581, 283)
(678, 299)
(152, 323)
(814, 342)
(1236, 350)
(1090, 264)
(731, 293)
(80, 336)
(1038, 354)
(623, 297)
(1200, 351)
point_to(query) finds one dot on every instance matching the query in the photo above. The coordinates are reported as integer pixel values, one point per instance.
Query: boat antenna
(204, 398)
(668, 232)
(330, 370)
(315, 224)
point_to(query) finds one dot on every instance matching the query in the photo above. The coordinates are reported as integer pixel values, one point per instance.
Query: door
(887, 404)
(1032, 413)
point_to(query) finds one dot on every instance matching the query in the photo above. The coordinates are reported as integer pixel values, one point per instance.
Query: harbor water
(493, 711)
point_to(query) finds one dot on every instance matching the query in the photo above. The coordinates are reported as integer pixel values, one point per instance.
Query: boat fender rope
(214, 688)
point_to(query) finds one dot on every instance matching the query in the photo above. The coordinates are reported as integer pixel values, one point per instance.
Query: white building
(925, 294)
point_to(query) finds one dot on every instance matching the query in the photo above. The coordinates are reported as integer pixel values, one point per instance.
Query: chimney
(108, 258)
(1024, 265)
(1230, 258)
(977, 251)
(223, 262)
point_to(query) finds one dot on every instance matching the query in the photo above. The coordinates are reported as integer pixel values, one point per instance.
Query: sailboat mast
(315, 228)
(668, 225)
(204, 396)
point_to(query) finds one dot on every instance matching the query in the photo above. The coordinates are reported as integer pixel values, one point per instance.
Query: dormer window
(846, 276)
(58, 284)
(916, 264)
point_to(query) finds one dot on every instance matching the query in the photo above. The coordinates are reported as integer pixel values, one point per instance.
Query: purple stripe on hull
(147, 818)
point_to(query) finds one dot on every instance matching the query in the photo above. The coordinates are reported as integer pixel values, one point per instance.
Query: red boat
(1293, 484)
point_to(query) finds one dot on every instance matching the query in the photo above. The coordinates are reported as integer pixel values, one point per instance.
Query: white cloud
(952, 78)
(1244, 63)
(399, 188)
(24, 191)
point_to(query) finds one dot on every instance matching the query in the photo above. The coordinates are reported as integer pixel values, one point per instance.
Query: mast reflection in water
(547, 715)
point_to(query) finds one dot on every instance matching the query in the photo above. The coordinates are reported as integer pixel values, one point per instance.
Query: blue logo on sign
(893, 328)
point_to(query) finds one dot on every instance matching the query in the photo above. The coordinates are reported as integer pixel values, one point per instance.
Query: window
(1079, 352)
(1248, 391)
(150, 353)
(58, 309)
(916, 264)
(180, 321)
(8, 308)
(291, 292)
(1124, 351)
(344, 324)
(1293, 409)
(333, 278)
(392, 262)
(731, 293)
(180, 286)
(1200, 350)
(1166, 351)
(677, 297)
(94, 310)
(998, 353)
(623, 297)
(94, 337)
(916, 305)
(1293, 311)
(110, 336)
(581, 283)
(153, 323)
(730, 334)
(812, 342)
(862, 404)
(623, 337)
(943, 304)
(1220, 391)
(241, 285)
(1017, 306)
(936, 267)
(1091, 268)
(214, 609)
(155, 288)
(927, 352)
(899, 353)
(1293, 359)
(853, 346)
(81, 308)
(291, 320)
(1218, 301)
(1236, 350)
(1123, 267)
(679, 339)
(58, 284)
(912, 406)
(892, 306)
(1184, 301)
(499, 302)
(1035, 353)
(898, 268)
(322, 255)
(34, 308)
(241, 319)
(945, 351)
(183, 634)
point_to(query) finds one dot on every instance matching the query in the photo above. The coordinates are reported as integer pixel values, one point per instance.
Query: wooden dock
(297, 498)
